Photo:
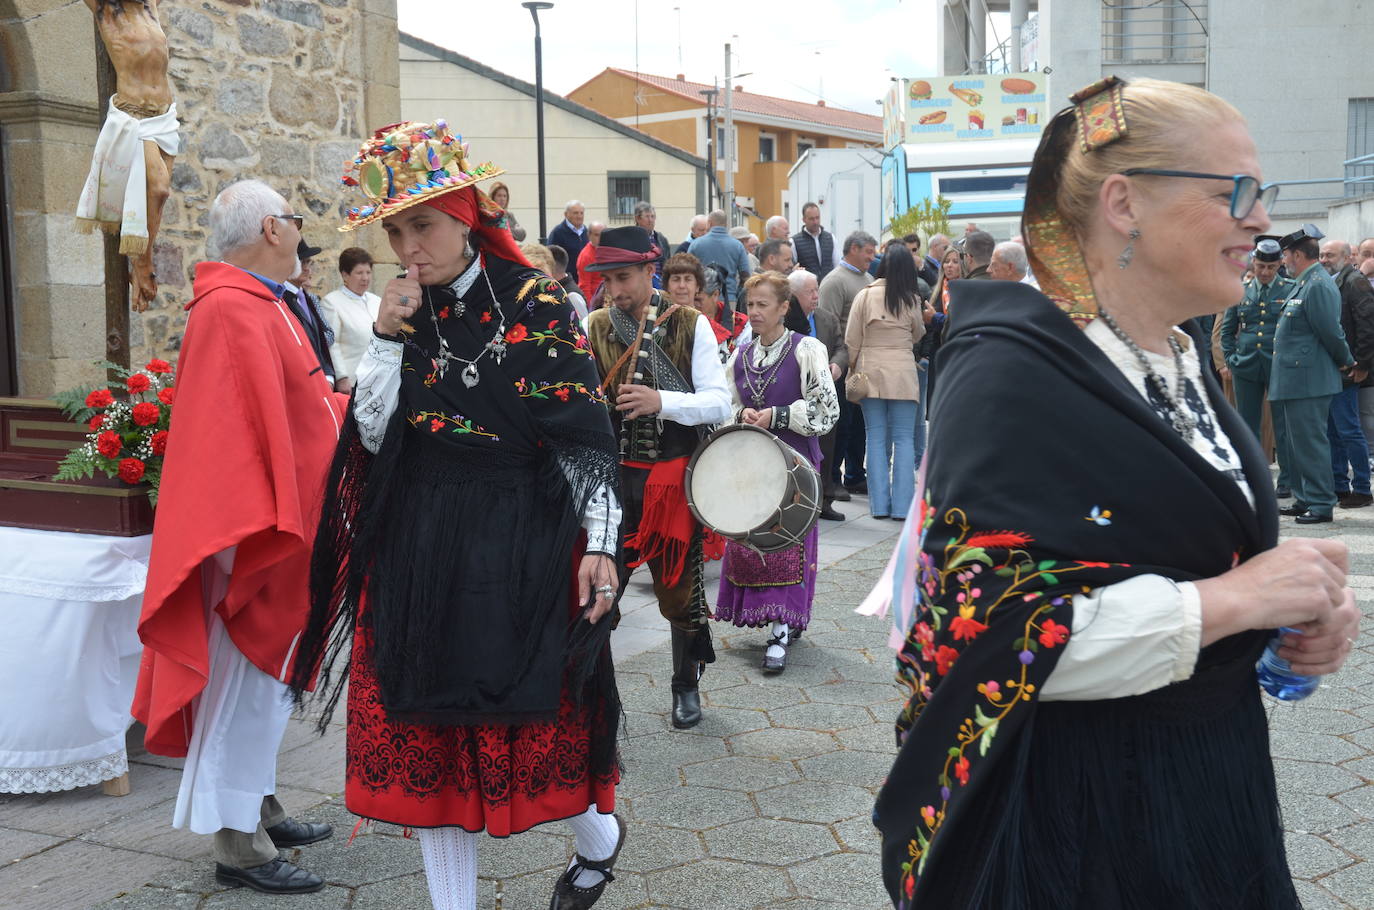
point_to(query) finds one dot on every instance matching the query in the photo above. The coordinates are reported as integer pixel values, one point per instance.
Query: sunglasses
(1245, 193)
(298, 219)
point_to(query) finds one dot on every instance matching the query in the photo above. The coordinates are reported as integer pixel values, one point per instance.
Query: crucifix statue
(131, 169)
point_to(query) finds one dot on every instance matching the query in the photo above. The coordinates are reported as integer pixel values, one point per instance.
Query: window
(722, 151)
(626, 189)
(768, 147)
(1360, 144)
(1154, 31)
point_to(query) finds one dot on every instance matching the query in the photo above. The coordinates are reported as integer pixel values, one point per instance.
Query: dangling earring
(469, 252)
(1124, 259)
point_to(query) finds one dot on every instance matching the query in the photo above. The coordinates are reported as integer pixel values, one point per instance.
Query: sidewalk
(764, 805)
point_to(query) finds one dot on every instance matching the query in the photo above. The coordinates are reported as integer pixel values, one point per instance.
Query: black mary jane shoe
(775, 665)
(276, 877)
(567, 896)
(686, 709)
(292, 833)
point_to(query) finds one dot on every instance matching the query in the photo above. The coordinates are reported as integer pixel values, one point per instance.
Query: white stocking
(450, 867)
(780, 630)
(596, 835)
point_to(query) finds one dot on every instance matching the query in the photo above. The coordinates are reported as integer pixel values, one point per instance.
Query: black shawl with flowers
(458, 538)
(1049, 475)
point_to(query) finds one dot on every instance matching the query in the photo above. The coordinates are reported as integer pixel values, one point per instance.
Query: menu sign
(894, 114)
(957, 108)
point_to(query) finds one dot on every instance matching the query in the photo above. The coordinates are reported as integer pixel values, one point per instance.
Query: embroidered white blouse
(351, 317)
(818, 410)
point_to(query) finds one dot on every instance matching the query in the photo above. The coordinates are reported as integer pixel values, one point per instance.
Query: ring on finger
(405, 301)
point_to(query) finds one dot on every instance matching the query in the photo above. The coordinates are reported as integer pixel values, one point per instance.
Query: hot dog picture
(967, 95)
(935, 117)
(1018, 86)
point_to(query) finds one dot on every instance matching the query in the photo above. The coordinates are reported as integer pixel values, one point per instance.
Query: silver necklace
(758, 380)
(496, 347)
(1182, 422)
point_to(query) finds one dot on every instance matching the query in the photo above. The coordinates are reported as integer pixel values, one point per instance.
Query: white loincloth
(239, 721)
(115, 197)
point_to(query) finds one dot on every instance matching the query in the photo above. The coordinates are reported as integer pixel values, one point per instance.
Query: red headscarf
(475, 209)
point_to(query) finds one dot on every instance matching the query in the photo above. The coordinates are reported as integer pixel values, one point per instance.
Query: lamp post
(534, 6)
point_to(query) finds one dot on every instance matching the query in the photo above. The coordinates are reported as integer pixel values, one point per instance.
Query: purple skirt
(776, 587)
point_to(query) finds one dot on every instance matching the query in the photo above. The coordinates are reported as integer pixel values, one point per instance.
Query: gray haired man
(647, 218)
(1009, 262)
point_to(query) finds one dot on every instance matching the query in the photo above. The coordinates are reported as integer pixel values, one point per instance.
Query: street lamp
(534, 6)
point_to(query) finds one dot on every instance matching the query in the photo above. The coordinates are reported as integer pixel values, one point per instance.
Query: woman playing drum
(781, 383)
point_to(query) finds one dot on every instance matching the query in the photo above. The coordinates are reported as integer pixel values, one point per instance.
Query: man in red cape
(254, 429)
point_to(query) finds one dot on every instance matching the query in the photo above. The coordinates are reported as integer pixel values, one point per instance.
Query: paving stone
(771, 841)
(1354, 885)
(867, 769)
(1314, 777)
(717, 884)
(879, 737)
(753, 696)
(674, 748)
(783, 744)
(150, 831)
(530, 892)
(153, 899)
(643, 777)
(74, 812)
(368, 859)
(694, 808)
(1357, 840)
(16, 845)
(849, 877)
(722, 722)
(410, 891)
(1313, 814)
(858, 641)
(815, 801)
(1304, 718)
(60, 877)
(855, 693)
(858, 834)
(1312, 747)
(331, 898)
(649, 847)
(821, 717)
(740, 772)
(1309, 856)
(1316, 898)
(548, 848)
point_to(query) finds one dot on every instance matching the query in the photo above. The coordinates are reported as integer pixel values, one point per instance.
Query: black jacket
(316, 329)
(804, 249)
(1357, 319)
(563, 236)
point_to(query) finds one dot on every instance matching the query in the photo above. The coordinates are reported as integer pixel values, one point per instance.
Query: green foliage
(926, 218)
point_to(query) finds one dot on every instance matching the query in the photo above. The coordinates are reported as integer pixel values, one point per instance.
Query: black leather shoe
(292, 833)
(567, 896)
(1312, 518)
(1355, 500)
(686, 709)
(1283, 493)
(773, 665)
(276, 877)
(857, 486)
(1293, 511)
(830, 514)
(840, 494)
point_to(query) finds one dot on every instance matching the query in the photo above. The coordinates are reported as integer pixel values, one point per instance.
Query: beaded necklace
(758, 379)
(1180, 419)
(496, 347)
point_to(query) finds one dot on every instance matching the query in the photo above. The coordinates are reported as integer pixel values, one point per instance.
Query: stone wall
(281, 90)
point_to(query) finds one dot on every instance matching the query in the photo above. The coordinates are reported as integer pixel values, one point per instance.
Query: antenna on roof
(678, 10)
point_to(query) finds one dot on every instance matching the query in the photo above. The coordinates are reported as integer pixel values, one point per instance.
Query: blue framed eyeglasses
(1245, 192)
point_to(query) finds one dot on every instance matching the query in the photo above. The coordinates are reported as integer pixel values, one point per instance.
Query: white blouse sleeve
(818, 410)
(736, 403)
(710, 403)
(378, 392)
(1128, 638)
(601, 520)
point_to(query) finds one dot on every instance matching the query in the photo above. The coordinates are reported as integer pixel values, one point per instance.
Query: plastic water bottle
(1276, 676)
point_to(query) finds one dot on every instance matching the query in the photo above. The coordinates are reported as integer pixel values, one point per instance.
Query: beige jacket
(880, 345)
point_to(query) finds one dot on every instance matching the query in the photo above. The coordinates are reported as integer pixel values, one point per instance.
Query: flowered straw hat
(407, 163)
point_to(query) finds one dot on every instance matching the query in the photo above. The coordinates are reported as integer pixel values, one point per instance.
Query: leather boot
(686, 671)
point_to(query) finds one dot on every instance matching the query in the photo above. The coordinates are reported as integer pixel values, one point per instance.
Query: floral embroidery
(454, 423)
(961, 590)
(563, 391)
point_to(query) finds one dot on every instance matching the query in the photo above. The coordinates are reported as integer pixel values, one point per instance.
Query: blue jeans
(890, 426)
(922, 369)
(1349, 450)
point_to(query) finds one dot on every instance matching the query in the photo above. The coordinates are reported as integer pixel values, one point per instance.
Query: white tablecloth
(69, 653)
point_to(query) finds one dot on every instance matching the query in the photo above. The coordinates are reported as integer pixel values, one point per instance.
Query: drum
(749, 486)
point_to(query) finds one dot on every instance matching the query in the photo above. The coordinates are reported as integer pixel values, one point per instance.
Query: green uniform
(1309, 351)
(1247, 343)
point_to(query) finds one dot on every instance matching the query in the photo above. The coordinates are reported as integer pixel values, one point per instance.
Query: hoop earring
(1127, 254)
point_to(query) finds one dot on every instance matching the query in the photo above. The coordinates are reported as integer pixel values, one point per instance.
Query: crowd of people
(1123, 574)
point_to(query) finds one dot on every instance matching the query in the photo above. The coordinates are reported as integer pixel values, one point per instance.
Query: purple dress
(775, 587)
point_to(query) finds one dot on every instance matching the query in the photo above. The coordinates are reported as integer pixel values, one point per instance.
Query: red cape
(253, 431)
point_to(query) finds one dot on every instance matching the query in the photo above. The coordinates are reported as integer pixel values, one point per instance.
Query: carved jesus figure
(131, 171)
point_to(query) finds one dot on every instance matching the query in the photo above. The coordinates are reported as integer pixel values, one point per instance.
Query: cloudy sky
(843, 50)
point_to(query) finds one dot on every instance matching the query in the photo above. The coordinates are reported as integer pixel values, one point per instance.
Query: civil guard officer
(1247, 337)
(1310, 353)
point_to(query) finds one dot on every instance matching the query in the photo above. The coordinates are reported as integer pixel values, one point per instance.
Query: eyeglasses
(298, 219)
(1245, 193)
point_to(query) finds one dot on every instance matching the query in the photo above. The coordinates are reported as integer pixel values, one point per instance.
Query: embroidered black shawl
(1049, 475)
(457, 539)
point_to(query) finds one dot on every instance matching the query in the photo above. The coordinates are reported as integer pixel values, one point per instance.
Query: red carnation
(146, 413)
(159, 442)
(97, 422)
(1052, 633)
(944, 659)
(517, 333)
(562, 394)
(138, 383)
(166, 395)
(108, 444)
(130, 470)
(100, 398)
(158, 366)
